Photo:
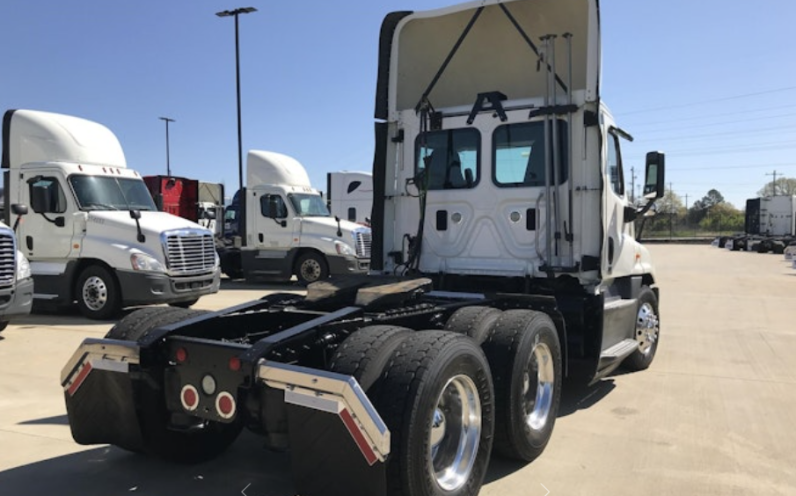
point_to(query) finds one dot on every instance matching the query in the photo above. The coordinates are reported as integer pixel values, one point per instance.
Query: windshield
(111, 193)
(307, 205)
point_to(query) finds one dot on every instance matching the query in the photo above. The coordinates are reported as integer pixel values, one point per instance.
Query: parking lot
(712, 416)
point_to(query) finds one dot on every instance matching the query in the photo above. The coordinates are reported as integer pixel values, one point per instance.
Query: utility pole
(686, 212)
(168, 164)
(773, 183)
(671, 211)
(633, 185)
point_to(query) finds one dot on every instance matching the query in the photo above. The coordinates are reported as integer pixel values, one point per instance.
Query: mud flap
(100, 394)
(338, 442)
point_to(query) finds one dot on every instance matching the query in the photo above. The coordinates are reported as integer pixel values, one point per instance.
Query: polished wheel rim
(311, 270)
(646, 328)
(538, 385)
(455, 433)
(95, 293)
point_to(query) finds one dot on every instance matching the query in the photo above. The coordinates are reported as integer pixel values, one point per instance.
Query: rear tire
(3, 326)
(365, 353)
(208, 439)
(435, 395)
(525, 357)
(97, 293)
(475, 321)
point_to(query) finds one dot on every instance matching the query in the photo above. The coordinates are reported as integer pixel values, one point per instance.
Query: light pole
(168, 165)
(235, 13)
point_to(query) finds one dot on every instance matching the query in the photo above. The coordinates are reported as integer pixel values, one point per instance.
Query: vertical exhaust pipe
(556, 154)
(569, 231)
(548, 159)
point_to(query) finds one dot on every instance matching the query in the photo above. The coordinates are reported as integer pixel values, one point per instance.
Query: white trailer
(94, 234)
(349, 195)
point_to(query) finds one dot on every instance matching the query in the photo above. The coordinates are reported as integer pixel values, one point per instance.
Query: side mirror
(654, 181)
(41, 200)
(209, 215)
(135, 214)
(19, 209)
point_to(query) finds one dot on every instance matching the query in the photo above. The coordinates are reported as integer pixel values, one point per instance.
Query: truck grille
(190, 252)
(362, 239)
(7, 260)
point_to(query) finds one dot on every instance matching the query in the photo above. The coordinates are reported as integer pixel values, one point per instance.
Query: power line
(713, 100)
(724, 133)
(709, 116)
(713, 124)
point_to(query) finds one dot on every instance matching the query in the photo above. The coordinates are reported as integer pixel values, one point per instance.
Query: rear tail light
(181, 355)
(189, 397)
(234, 364)
(225, 405)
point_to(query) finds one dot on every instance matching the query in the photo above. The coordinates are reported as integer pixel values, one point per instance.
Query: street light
(168, 165)
(235, 13)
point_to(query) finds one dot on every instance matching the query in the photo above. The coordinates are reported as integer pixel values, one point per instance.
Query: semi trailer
(769, 225)
(504, 260)
(94, 235)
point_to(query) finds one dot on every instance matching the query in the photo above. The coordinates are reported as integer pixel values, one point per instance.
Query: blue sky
(711, 82)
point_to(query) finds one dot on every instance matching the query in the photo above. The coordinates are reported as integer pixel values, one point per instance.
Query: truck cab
(16, 281)
(288, 227)
(349, 195)
(94, 234)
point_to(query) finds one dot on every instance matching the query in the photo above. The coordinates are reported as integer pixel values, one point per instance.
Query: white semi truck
(504, 260)
(287, 228)
(93, 234)
(16, 282)
(349, 195)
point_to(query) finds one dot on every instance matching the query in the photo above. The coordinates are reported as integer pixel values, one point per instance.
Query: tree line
(711, 214)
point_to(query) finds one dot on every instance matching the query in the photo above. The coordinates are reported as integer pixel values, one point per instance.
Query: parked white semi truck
(287, 228)
(16, 282)
(94, 234)
(503, 261)
(349, 195)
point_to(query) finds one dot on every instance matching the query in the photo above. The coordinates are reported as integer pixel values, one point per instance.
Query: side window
(614, 166)
(353, 185)
(451, 157)
(352, 214)
(47, 196)
(280, 209)
(519, 155)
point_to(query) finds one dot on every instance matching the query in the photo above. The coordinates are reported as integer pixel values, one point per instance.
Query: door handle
(260, 237)
(60, 222)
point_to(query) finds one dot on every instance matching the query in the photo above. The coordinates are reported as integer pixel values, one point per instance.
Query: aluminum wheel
(538, 386)
(311, 270)
(95, 293)
(647, 328)
(455, 433)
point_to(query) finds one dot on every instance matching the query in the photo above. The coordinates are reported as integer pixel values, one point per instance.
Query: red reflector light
(234, 364)
(181, 355)
(225, 405)
(189, 397)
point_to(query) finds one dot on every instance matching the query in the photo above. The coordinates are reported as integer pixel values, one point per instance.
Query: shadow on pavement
(57, 420)
(109, 471)
(578, 396)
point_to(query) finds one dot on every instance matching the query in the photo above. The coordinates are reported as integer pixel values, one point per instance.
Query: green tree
(722, 217)
(784, 186)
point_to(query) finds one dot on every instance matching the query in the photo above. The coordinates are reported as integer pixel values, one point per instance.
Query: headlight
(343, 248)
(23, 266)
(141, 261)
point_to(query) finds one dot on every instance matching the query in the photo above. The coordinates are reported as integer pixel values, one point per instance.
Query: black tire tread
(501, 349)
(474, 321)
(364, 353)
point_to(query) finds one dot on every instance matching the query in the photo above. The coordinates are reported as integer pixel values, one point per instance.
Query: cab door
(46, 233)
(618, 246)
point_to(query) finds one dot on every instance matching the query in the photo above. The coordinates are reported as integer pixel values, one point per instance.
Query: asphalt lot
(712, 416)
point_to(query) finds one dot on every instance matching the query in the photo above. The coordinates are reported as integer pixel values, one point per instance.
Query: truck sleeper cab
(94, 235)
(503, 260)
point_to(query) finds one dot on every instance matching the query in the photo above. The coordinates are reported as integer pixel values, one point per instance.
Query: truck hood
(329, 225)
(152, 223)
